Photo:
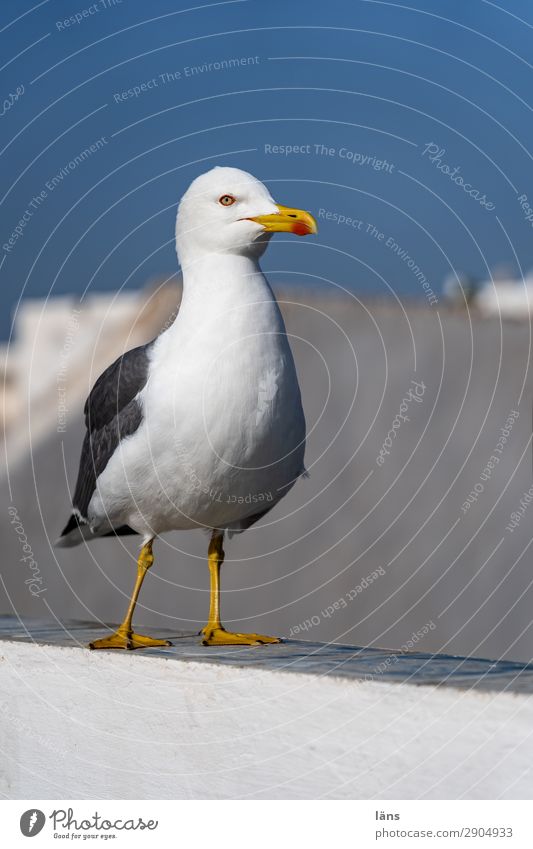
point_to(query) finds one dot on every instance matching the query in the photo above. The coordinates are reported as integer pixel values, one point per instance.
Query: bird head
(227, 210)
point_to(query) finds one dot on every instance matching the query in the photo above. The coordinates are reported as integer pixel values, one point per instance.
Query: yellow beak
(288, 220)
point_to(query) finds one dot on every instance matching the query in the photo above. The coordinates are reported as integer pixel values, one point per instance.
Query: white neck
(226, 276)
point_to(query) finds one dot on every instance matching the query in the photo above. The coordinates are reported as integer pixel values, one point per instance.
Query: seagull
(202, 427)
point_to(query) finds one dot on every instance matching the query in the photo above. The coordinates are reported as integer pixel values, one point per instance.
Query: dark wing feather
(111, 414)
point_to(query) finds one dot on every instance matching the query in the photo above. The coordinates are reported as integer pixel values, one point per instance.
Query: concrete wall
(460, 578)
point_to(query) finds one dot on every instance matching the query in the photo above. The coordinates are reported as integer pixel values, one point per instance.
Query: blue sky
(412, 121)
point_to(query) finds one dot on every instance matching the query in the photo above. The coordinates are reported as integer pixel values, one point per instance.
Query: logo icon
(32, 822)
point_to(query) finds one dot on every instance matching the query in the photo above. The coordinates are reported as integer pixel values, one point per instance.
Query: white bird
(202, 427)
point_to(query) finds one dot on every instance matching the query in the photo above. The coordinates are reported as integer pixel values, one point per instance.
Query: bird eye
(227, 200)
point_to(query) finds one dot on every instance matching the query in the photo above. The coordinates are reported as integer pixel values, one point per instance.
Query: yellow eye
(227, 200)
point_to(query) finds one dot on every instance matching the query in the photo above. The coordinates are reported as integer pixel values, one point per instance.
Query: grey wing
(111, 413)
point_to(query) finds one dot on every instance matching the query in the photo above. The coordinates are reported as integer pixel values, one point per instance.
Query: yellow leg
(214, 633)
(125, 637)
